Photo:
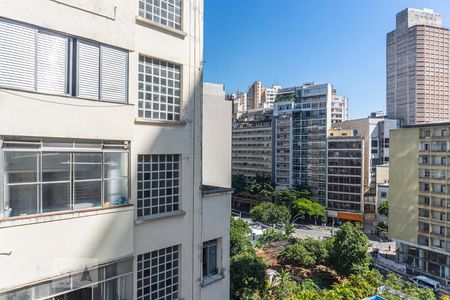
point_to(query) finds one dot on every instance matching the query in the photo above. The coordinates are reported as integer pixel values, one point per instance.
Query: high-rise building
(339, 109)
(346, 176)
(270, 95)
(374, 131)
(418, 53)
(101, 193)
(419, 199)
(312, 105)
(255, 95)
(252, 145)
(282, 144)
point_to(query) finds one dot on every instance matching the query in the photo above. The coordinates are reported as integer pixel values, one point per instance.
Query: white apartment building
(270, 95)
(101, 189)
(311, 110)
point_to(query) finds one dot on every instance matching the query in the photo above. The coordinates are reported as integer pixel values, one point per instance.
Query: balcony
(86, 237)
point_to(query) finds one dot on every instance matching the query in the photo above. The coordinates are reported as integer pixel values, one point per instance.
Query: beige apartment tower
(419, 208)
(418, 74)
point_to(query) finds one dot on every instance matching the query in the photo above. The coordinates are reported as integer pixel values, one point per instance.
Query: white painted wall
(44, 247)
(41, 115)
(217, 117)
(216, 224)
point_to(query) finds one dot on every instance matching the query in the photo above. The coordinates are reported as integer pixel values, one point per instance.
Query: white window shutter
(17, 55)
(114, 69)
(52, 63)
(88, 69)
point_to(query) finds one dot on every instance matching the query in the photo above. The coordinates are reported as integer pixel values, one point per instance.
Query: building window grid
(40, 182)
(159, 89)
(158, 274)
(158, 184)
(164, 12)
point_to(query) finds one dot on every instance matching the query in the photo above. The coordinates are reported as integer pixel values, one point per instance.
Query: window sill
(211, 279)
(64, 215)
(159, 122)
(141, 220)
(163, 28)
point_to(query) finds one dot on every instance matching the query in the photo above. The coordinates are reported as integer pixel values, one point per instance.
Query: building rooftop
(436, 124)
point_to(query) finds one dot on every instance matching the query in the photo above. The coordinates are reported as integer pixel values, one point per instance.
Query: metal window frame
(179, 268)
(142, 61)
(179, 186)
(181, 7)
(206, 245)
(40, 150)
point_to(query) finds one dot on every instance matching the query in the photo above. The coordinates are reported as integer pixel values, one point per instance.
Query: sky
(290, 42)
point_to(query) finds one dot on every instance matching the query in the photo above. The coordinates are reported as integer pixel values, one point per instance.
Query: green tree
(288, 196)
(270, 214)
(247, 276)
(384, 208)
(296, 255)
(270, 235)
(317, 211)
(262, 186)
(318, 249)
(349, 251)
(285, 287)
(302, 206)
(239, 242)
(238, 183)
(288, 230)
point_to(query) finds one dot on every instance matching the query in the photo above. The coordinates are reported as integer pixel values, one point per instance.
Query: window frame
(205, 247)
(71, 83)
(141, 260)
(41, 149)
(180, 88)
(181, 23)
(143, 181)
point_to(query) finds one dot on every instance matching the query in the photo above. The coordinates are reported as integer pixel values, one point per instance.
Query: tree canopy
(288, 196)
(349, 253)
(238, 183)
(270, 214)
(247, 276)
(262, 186)
(384, 208)
(296, 255)
(239, 242)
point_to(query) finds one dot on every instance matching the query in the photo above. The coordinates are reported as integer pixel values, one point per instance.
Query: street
(320, 232)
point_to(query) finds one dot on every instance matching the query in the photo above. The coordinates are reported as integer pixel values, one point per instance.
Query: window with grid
(159, 89)
(158, 184)
(158, 274)
(42, 177)
(164, 12)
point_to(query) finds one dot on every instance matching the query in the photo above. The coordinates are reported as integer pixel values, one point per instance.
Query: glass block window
(159, 89)
(164, 12)
(158, 274)
(158, 184)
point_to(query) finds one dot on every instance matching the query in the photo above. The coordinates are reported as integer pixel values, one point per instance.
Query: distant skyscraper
(254, 95)
(418, 73)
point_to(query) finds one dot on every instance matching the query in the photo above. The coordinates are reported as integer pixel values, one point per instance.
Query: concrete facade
(418, 51)
(312, 106)
(345, 175)
(418, 195)
(45, 248)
